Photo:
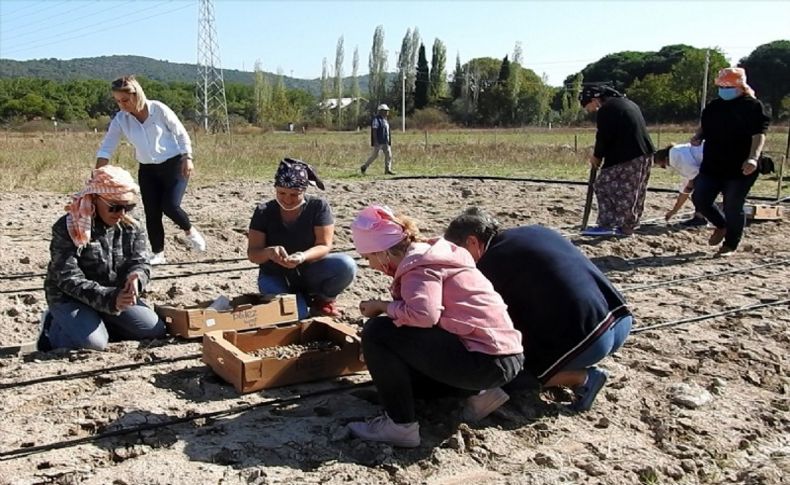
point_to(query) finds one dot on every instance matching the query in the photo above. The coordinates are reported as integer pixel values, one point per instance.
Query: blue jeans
(734, 192)
(323, 280)
(162, 187)
(75, 325)
(605, 345)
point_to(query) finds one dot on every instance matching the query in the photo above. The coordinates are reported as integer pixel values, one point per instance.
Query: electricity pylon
(212, 104)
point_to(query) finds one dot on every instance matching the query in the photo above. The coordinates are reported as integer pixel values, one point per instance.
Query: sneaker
(599, 231)
(43, 344)
(158, 258)
(481, 405)
(694, 222)
(383, 429)
(717, 237)
(586, 393)
(389, 172)
(326, 308)
(363, 169)
(196, 239)
(724, 251)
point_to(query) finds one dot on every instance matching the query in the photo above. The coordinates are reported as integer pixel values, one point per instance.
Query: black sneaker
(43, 344)
(363, 169)
(694, 222)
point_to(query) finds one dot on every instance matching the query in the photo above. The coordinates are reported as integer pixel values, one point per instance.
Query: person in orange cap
(733, 127)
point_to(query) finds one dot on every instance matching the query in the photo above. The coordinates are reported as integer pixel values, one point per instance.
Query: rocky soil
(703, 402)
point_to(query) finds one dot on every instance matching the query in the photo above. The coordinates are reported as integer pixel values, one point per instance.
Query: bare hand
(278, 254)
(670, 214)
(749, 166)
(187, 167)
(132, 285)
(372, 308)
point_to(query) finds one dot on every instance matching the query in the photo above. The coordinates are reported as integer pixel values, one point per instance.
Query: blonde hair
(411, 234)
(129, 84)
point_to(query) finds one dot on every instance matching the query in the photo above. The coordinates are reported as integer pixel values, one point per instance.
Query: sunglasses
(113, 208)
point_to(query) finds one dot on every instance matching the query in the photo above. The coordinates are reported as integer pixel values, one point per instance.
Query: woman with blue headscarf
(290, 237)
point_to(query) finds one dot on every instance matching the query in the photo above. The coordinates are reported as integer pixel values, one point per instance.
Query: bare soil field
(702, 402)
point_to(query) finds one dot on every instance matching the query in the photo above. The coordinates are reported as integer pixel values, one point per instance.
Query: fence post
(575, 143)
(426, 139)
(779, 177)
(658, 142)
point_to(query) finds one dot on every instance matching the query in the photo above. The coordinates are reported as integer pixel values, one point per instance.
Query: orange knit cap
(734, 77)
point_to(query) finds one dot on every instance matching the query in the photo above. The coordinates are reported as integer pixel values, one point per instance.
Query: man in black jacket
(380, 140)
(569, 314)
(623, 151)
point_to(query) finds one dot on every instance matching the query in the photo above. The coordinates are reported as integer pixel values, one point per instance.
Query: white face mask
(297, 206)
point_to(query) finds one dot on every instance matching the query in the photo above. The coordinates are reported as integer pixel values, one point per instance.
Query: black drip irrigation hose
(551, 181)
(708, 316)
(671, 282)
(96, 372)
(21, 452)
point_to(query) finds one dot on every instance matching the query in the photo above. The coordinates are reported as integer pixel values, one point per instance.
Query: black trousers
(734, 192)
(162, 187)
(402, 360)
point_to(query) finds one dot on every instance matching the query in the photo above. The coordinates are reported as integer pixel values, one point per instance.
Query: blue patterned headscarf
(296, 174)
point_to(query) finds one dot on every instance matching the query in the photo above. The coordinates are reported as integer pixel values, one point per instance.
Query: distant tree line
(480, 92)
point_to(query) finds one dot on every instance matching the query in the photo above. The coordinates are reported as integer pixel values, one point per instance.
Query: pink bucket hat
(734, 77)
(375, 229)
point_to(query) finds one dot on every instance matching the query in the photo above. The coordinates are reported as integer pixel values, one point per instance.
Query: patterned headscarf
(734, 77)
(593, 91)
(296, 174)
(106, 180)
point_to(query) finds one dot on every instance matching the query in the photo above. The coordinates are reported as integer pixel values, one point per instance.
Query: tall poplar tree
(339, 58)
(423, 82)
(438, 72)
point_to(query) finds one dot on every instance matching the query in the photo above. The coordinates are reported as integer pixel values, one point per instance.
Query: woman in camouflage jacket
(99, 265)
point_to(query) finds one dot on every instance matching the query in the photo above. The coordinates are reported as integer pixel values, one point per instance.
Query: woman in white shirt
(685, 159)
(164, 150)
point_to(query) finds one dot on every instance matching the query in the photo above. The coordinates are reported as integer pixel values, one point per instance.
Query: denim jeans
(605, 345)
(734, 192)
(162, 186)
(75, 325)
(323, 279)
(400, 357)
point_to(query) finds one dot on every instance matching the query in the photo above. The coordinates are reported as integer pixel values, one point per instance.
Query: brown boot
(717, 237)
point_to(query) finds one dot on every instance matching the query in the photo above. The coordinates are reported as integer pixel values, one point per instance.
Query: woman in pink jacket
(445, 326)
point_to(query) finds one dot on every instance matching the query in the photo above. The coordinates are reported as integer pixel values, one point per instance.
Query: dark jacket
(622, 134)
(555, 295)
(727, 128)
(380, 131)
(96, 273)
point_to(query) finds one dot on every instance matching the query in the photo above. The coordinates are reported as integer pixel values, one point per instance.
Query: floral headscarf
(296, 174)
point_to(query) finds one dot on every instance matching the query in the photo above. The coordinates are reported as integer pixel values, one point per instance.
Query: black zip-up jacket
(556, 296)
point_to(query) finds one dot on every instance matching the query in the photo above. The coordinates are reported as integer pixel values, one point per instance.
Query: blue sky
(558, 38)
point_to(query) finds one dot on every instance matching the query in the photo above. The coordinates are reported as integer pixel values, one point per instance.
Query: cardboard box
(227, 354)
(246, 312)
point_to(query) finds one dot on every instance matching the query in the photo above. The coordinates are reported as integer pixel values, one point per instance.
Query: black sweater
(727, 128)
(555, 296)
(622, 135)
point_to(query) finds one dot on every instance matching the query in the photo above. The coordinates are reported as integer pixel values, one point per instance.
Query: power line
(32, 4)
(110, 27)
(40, 20)
(57, 34)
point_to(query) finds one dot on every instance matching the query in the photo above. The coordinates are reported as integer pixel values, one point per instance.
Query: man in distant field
(380, 140)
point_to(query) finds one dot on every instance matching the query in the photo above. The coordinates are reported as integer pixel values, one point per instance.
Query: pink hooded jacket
(439, 284)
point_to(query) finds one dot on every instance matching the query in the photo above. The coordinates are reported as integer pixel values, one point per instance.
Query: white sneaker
(196, 239)
(158, 258)
(383, 429)
(479, 406)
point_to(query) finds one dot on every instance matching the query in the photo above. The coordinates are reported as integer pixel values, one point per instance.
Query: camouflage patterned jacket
(95, 274)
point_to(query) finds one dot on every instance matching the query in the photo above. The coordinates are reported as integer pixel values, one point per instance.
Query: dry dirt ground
(704, 402)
